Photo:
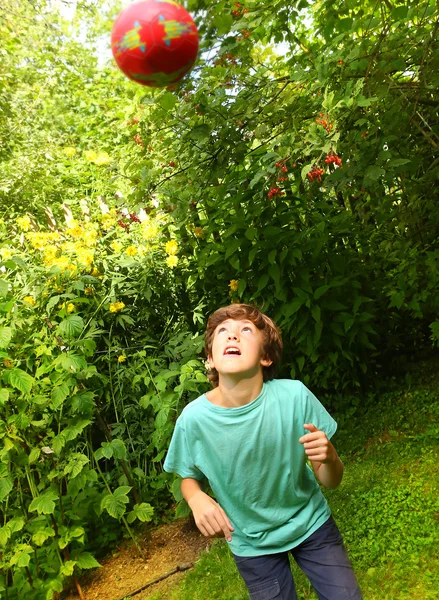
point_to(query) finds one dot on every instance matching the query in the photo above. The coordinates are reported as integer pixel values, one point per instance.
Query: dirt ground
(164, 548)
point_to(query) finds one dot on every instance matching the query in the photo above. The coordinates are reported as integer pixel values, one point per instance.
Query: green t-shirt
(255, 465)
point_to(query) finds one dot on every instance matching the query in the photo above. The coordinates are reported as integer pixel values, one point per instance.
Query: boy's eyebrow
(240, 320)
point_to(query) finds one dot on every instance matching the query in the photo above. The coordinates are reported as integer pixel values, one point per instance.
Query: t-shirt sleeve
(179, 459)
(316, 413)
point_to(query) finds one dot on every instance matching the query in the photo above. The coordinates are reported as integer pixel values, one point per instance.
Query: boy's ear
(210, 361)
(266, 362)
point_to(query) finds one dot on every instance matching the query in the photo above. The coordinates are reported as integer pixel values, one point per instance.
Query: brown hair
(272, 340)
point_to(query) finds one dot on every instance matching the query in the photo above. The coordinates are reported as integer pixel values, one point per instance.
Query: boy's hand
(209, 517)
(317, 446)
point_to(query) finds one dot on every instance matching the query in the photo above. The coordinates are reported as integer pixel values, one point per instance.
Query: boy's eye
(221, 329)
(247, 328)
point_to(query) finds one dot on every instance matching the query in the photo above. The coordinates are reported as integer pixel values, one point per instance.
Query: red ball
(155, 42)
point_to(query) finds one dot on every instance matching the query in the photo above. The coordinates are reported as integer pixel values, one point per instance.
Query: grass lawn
(387, 507)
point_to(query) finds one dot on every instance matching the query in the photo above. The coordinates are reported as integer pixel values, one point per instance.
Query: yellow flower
(171, 248)
(121, 358)
(49, 253)
(69, 151)
(70, 307)
(85, 257)
(5, 253)
(116, 246)
(95, 272)
(8, 363)
(24, 223)
(131, 251)
(149, 230)
(109, 219)
(199, 232)
(89, 291)
(116, 306)
(90, 155)
(102, 158)
(172, 261)
(233, 285)
(29, 300)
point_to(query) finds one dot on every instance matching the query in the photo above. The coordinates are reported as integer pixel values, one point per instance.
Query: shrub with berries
(333, 158)
(315, 173)
(324, 123)
(275, 192)
(239, 10)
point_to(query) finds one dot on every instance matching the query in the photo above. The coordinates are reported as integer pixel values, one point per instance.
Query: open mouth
(232, 351)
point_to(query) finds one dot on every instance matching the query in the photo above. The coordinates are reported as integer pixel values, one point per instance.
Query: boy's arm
(209, 517)
(325, 461)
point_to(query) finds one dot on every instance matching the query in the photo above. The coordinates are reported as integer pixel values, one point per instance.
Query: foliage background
(128, 215)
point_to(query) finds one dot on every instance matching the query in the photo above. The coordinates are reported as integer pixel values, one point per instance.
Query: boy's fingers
(210, 530)
(311, 428)
(222, 523)
(315, 444)
(203, 530)
(227, 520)
(310, 437)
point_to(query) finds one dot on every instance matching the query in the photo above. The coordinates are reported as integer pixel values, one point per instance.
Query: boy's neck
(232, 393)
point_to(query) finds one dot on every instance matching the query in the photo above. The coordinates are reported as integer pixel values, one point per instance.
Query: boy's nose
(232, 336)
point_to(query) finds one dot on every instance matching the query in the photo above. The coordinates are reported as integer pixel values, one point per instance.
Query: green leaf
(250, 233)
(3, 288)
(42, 535)
(20, 380)
(67, 568)
(241, 287)
(263, 282)
(119, 449)
(320, 291)
(114, 504)
(398, 162)
(399, 13)
(143, 511)
(53, 301)
(22, 555)
(44, 503)
(59, 394)
(223, 23)
(182, 511)
(200, 133)
(16, 524)
(292, 307)
(274, 271)
(121, 492)
(71, 362)
(373, 173)
(71, 327)
(232, 246)
(75, 465)
(4, 396)
(348, 324)
(34, 455)
(167, 101)
(87, 561)
(176, 489)
(6, 486)
(315, 311)
(5, 534)
(5, 336)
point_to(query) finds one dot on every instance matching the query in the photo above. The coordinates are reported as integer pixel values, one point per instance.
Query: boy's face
(237, 348)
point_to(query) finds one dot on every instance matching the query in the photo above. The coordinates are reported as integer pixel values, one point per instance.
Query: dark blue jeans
(323, 559)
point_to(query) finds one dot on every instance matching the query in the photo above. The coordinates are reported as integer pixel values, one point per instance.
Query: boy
(250, 437)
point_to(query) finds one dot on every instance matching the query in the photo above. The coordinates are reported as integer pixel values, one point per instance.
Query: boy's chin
(237, 372)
